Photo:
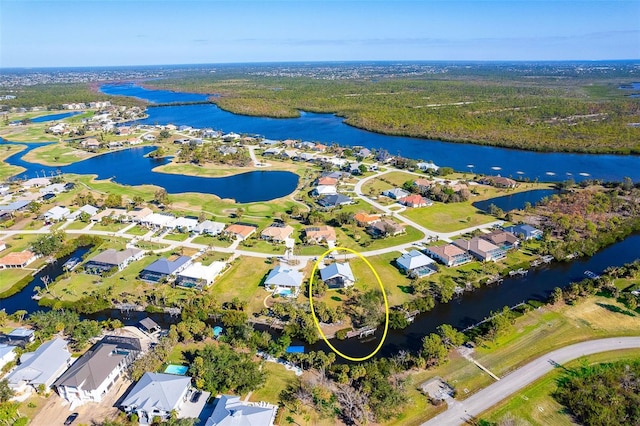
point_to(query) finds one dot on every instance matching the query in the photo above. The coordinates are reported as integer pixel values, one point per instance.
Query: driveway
(460, 411)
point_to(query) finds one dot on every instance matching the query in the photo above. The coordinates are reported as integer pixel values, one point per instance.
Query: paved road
(481, 401)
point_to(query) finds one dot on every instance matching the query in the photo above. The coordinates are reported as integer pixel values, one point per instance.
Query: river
(328, 128)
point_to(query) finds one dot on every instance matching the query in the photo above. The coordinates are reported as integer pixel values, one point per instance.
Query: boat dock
(522, 272)
(592, 275)
(362, 332)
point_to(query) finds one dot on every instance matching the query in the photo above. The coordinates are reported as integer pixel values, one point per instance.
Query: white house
(416, 264)
(96, 371)
(337, 275)
(209, 227)
(87, 208)
(185, 224)
(55, 188)
(40, 368)
(56, 214)
(231, 411)
(283, 280)
(7, 354)
(157, 220)
(200, 276)
(325, 190)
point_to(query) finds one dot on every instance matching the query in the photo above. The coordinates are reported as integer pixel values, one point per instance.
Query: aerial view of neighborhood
(338, 215)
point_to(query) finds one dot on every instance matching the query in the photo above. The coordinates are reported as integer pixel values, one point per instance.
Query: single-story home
(240, 231)
(17, 259)
(36, 182)
(148, 325)
(97, 370)
(209, 227)
(16, 206)
(395, 193)
(7, 354)
(283, 280)
(87, 208)
(199, 276)
(365, 219)
(423, 184)
(481, 249)
(112, 258)
(449, 254)
(385, 228)
(524, 231)
(321, 190)
(503, 239)
(231, 411)
(337, 275)
(158, 395)
(334, 200)
(138, 215)
(427, 166)
(54, 188)
(319, 234)
(326, 181)
(56, 214)
(277, 233)
(185, 224)
(19, 336)
(158, 221)
(415, 200)
(499, 181)
(115, 214)
(416, 264)
(41, 367)
(164, 268)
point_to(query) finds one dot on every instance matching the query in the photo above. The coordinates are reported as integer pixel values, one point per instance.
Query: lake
(327, 128)
(515, 201)
(132, 167)
(53, 117)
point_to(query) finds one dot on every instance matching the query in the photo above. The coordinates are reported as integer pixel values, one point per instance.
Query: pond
(515, 201)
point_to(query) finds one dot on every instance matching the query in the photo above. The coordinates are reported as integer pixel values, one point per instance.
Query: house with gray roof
(164, 268)
(524, 231)
(111, 258)
(416, 264)
(209, 227)
(7, 354)
(395, 193)
(96, 371)
(41, 367)
(281, 279)
(157, 395)
(334, 200)
(337, 275)
(56, 214)
(231, 411)
(87, 208)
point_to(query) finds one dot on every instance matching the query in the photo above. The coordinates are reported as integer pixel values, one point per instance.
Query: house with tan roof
(277, 233)
(365, 219)
(499, 182)
(415, 200)
(449, 254)
(481, 249)
(503, 239)
(385, 228)
(17, 259)
(112, 258)
(136, 215)
(240, 231)
(423, 184)
(326, 180)
(320, 234)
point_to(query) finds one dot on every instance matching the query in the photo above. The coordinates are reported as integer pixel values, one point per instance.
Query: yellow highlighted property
(384, 296)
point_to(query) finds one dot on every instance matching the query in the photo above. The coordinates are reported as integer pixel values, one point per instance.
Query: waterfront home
(90, 377)
(91, 144)
(7, 354)
(276, 233)
(481, 249)
(41, 367)
(17, 259)
(209, 227)
(110, 259)
(158, 395)
(503, 239)
(423, 184)
(524, 231)
(199, 276)
(87, 208)
(335, 175)
(363, 153)
(185, 224)
(498, 182)
(305, 156)
(231, 411)
(395, 193)
(284, 281)
(54, 188)
(337, 275)
(36, 182)
(138, 215)
(230, 137)
(336, 200)
(19, 337)
(240, 231)
(56, 214)
(365, 219)
(321, 190)
(385, 228)
(415, 200)
(164, 269)
(416, 264)
(449, 254)
(427, 166)
(271, 152)
(320, 234)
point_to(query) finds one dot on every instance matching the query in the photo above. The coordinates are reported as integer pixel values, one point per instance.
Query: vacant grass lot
(535, 404)
(244, 281)
(449, 217)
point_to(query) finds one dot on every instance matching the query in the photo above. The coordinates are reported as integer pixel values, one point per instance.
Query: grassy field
(6, 171)
(535, 405)
(212, 241)
(395, 284)
(357, 239)
(243, 280)
(221, 170)
(59, 154)
(449, 217)
(278, 379)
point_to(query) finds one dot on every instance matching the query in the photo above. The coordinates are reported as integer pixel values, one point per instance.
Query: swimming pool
(285, 292)
(179, 370)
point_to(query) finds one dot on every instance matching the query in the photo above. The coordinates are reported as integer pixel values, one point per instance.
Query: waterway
(517, 200)
(328, 128)
(53, 117)
(133, 167)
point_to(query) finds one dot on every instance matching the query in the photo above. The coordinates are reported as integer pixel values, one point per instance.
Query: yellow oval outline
(384, 295)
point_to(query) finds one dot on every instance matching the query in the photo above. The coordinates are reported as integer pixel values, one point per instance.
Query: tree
(451, 336)
(5, 391)
(19, 314)
(397, 320)
(164, 134)
(161, 196)
(113, 201)
(433, 350)
(49, 244)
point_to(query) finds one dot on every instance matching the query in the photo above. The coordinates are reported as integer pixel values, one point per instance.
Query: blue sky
(137, 32)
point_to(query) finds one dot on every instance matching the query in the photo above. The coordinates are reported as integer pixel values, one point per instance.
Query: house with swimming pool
(164, 269)
(416, 264)
(284, 281)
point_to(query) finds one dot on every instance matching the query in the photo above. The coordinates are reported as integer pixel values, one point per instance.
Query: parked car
(196, 396)
(71, 418)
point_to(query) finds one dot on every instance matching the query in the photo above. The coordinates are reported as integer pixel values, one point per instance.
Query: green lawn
(243, 280)
(75, 225)
(137, 230)
(111, 227)
(6, 171)
(396, 284)
(278, 379)
(449, 217)
(262, 246)
(534, 403)
(176, 236)
(59, 154)
(211, 241)
(356, 238)
(8, 277)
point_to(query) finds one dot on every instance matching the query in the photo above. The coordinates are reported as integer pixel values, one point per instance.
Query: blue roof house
(337, 275)
(281, 279)
(164, 268)
(524, 231)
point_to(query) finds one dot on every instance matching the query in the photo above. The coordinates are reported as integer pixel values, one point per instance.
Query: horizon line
(425, 61)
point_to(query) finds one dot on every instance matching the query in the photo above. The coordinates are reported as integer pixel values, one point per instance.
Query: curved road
(460, 411)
